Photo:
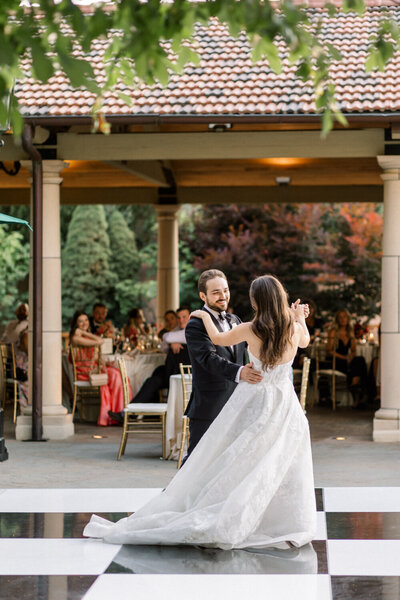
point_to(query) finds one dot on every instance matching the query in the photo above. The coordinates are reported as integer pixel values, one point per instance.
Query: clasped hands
(300, 310)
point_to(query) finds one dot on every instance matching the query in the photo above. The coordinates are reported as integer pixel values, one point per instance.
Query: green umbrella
(7, 219)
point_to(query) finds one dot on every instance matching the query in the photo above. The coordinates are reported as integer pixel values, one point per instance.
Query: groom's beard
(217, 307)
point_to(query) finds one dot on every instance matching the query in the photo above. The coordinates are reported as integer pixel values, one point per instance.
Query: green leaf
(41, 64)
(161, 72)
(334, 52)
(125, 98)
(303, 71)
(331, 8)
(357, 6)
(185, 56)
(264, 48)
(327, 122)
(80, 72)
(385, 49)
(339, 116)
(371, 63)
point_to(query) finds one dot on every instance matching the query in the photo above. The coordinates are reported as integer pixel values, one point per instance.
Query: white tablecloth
(173, 424)
(368, 351)
(141, 366)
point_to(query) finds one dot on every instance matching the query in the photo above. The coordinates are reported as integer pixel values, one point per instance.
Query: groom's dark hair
(206, 275)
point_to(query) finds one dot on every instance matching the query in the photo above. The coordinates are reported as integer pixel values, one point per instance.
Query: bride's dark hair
(273, 320)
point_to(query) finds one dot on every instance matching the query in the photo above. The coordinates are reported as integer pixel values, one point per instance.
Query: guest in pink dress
(87, 360)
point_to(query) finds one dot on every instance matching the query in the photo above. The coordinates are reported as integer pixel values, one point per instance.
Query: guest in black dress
(342, 343)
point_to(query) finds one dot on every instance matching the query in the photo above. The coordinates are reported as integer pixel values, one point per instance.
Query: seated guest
(170, 323)
(313, 322)
(17, 326)
(342, 343)
(86, 361)
(136, 326)
(98, 324)
(176, 339)
(159, 380)
(17, 333)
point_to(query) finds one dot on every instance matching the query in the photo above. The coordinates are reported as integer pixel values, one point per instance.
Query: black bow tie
(222, 316)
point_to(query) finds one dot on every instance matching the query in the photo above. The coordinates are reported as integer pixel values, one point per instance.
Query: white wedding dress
(247, 484)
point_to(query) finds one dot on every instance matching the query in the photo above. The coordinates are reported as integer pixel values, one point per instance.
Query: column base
(54, 427)
(386, 425)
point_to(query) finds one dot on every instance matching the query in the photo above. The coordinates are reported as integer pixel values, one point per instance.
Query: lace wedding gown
(248, 483)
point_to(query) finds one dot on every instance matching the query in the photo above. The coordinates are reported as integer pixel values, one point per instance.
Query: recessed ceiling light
(283, 180)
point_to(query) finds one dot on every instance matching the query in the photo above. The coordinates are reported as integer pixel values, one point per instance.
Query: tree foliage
(87, 275)
(125, 258)
(331, 253)
(14, 268)
(150, 40)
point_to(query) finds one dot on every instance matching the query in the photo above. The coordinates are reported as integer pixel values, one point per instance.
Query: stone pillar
(168, 260)
(386, 426)
(57, 423)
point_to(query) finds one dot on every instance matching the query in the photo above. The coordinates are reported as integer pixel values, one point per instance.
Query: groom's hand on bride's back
(249, 374)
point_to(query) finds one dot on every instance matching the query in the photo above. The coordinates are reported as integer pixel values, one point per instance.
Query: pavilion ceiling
(219, 173)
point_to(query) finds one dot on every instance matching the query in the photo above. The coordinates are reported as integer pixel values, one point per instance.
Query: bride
(249, 481)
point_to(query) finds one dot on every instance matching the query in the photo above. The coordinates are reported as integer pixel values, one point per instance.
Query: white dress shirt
(176, 336)
(225, 327)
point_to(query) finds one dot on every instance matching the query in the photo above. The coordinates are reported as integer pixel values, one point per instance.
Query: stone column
(168, 260)
(57, 423)
(386, 427)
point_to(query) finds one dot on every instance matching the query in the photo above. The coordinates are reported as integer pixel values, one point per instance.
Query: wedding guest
(342, 344)
(170, 323)
(17, 333)
(135, 326)
(374, 376)
(17, 326)
(159, 379)
(87, 359)
(98, 323)
(313, 322)
(176, 339)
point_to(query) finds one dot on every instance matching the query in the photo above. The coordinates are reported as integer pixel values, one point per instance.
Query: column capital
(166, 211)
(51, 169)
(391, 167)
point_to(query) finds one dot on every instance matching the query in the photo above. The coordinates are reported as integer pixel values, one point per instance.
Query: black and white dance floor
(356, 553)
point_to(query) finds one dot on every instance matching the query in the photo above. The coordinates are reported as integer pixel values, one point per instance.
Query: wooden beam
(149, 170)
(109, 195)
(208, 195)
(273, 194)
(212, 145)
(15, 196)
(11, 150)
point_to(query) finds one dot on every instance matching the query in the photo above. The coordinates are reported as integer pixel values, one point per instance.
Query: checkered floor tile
(44, 557)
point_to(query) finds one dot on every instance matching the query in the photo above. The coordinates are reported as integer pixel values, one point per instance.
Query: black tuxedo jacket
(214, 369)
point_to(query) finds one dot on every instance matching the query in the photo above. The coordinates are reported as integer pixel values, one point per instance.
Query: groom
(216, 369)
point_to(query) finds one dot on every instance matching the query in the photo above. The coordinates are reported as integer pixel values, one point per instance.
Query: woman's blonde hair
(273, 320)
(349, 326)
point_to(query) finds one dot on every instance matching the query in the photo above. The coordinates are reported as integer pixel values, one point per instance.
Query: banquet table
(368, 351)
(140, 366)
(173, 423)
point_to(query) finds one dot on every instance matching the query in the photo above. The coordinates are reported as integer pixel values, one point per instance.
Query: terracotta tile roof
(226, 82)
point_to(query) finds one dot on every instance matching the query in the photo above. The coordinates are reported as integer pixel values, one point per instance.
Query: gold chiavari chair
(133, 410)
(9, 378)
(83, 390)
(336, 379)
(304, 383)
(186, 376)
